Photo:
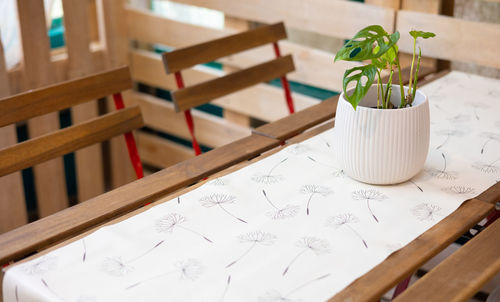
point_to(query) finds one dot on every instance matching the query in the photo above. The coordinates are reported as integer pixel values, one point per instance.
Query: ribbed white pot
(382, 146)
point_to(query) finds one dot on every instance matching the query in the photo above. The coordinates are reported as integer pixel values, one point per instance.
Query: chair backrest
(179, 59)
(48, 99)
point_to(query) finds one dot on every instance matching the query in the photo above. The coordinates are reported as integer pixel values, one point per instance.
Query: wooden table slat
(463, 273)
(372, 285)
(72, 221)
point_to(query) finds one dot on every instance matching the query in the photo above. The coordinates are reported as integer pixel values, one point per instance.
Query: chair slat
(463, 273)
(205, 52)
(64, 95)
(43, 148)
(204, 92)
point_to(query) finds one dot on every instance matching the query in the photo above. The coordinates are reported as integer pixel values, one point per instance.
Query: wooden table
(73, 223)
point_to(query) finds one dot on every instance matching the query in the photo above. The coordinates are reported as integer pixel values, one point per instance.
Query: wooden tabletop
(119, 204)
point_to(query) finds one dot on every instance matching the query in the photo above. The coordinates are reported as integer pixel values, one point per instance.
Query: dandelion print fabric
(290, 227)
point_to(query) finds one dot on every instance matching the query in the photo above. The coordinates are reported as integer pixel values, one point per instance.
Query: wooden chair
(53, 98)
(186, 98)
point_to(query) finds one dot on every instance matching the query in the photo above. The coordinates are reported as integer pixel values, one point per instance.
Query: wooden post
(89, 164)
(112, 29)
(49, 176)
(12, 205)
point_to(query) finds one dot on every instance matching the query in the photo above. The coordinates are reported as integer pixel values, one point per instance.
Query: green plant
(374, 44)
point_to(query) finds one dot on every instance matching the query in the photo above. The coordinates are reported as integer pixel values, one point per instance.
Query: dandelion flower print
(115, 266)
(346, 220)
(489, 168)
(336, 172)
(476, 106)
(442, 173)
(219, 181)
(276, 296)
(490, 136)
(256, 237)
(448, 133)
(226, 288)
(312, 190)
(287, 211)
(416, 185)
(459, 190)
(269, 177)
(172, 221)
(40, 266)
(312, 244)
(220, 200)
(86, 298)
(369, 195)
(190, 269)
(426, 211)
(297, 149)
(459, 118)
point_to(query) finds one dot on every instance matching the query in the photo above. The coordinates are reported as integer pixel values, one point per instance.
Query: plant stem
(402, 91)
(412, 63)
(378, 91)
(388, 90)
(379, 86)
(414, 91)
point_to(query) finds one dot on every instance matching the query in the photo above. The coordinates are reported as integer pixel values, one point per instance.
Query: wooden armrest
(463, 273)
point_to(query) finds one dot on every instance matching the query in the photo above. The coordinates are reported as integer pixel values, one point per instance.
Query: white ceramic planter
(382, 146)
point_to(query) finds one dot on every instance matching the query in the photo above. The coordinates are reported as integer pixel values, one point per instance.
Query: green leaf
(362, 45)
(421, 34)
(386, 59)
(368, 72)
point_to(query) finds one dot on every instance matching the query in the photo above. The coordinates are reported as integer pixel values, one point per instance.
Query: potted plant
(382, 130)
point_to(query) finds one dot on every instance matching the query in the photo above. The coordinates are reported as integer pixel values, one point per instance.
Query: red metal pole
(188, 117)
(284, 83)
(402, 286)
(129, 139)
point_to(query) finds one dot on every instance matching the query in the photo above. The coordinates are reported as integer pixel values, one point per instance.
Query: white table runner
(291, 227)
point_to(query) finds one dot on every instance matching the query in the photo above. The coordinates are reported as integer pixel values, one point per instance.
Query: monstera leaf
(362, 46)
(357, 74)
(421, 34)
(385, 60)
